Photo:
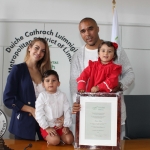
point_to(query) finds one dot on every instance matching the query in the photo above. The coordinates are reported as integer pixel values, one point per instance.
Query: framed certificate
(99, 121)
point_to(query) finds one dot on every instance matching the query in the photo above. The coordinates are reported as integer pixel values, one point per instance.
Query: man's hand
(94, 89)
(75, 108)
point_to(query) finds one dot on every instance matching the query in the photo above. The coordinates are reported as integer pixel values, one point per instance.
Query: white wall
(133, 11)
(18, 16)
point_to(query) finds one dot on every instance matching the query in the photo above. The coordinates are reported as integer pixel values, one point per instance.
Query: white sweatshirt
(49, 107)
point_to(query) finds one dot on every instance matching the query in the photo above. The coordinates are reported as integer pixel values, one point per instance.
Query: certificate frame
(88, 101)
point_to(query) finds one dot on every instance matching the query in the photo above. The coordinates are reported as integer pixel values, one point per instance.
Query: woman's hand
(29, 109)
(32, 112)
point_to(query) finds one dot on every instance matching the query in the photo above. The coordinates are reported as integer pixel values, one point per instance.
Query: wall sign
(3, 123)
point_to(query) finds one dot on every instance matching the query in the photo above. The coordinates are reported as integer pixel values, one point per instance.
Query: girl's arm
(83, 78)
(111, 81)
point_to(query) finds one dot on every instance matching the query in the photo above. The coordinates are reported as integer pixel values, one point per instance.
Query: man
(89, 32)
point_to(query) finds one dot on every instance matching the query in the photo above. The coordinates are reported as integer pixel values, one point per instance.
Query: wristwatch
(121, 86)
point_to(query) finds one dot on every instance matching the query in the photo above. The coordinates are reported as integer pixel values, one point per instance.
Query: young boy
(50, 105)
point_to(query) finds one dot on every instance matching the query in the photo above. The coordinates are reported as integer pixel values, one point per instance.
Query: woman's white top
(49, 107)
(38, 88)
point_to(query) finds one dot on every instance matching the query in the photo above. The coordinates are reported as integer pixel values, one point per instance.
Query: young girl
(101, 75)
(50, 105)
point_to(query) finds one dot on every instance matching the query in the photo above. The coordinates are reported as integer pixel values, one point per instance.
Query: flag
(115, 28)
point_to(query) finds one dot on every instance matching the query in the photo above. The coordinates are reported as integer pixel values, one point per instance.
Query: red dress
(105, 76)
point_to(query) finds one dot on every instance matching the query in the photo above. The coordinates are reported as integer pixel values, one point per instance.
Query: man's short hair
(88, 18)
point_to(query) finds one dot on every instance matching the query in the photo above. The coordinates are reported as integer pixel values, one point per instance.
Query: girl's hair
(44, 63)
(109, 44)
(48, 73)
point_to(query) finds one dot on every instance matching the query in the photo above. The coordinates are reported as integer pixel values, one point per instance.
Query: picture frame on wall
(98, 123)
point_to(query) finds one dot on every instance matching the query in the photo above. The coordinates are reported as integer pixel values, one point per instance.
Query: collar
(54, 94)
(110, 62)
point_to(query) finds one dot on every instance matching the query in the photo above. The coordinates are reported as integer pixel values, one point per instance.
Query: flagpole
(115, 25)
(114, 4)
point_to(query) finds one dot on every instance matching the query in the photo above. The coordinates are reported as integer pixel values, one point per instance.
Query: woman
(24, 83)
